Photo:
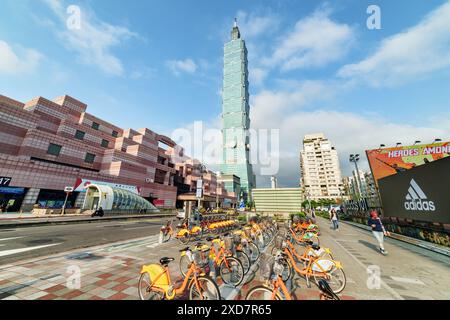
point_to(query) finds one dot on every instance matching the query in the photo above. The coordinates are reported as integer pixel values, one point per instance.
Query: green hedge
(323, 214)
(242, 218)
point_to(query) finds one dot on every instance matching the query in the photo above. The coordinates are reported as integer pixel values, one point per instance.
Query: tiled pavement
(107, 272)
(112, 271)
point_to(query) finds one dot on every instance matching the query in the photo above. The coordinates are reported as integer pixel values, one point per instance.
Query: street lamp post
(355, 158)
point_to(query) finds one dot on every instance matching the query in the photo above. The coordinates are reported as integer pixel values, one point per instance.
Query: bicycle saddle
(326, 289)
(212, 238)
(184, 249)
(315, 247)
(165, 261)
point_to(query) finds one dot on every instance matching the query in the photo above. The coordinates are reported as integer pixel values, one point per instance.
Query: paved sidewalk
(107, 272)
(111, 271)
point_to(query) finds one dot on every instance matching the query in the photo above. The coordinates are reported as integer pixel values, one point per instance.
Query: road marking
(14, 251)
(137, 228)
(7, 239)
(388, 288)
(407, 280)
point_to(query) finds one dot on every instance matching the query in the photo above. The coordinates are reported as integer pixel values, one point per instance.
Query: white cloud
(25, 61)
(269, 107)
(142, 73)
(405, 56)
(315, 41)
(252, 25)
(180, 66)
(94, 41)
(349, 132)
(257, 76)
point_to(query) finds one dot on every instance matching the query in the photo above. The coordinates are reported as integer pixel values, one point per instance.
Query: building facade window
(79, 135)
(54, 149)
(105, 143)
(115, 134)
(95, 125)
(89, 158)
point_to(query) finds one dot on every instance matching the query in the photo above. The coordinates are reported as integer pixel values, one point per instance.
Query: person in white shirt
(334, 219)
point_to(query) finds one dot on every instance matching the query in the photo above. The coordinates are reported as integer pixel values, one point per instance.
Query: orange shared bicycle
(314, 267)
(155, 282)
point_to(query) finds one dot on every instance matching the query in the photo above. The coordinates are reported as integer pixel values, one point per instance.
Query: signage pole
(63, 211)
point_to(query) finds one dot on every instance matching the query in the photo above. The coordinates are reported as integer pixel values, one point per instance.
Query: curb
(419, 243)
(50, 221)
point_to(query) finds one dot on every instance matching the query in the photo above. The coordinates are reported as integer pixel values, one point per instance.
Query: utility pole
(355, 158)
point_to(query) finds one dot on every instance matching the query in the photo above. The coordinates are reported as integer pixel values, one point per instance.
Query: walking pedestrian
(334, 219)
(378, 230)
(313, 215)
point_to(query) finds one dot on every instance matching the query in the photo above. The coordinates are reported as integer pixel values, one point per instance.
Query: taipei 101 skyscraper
(235, 114)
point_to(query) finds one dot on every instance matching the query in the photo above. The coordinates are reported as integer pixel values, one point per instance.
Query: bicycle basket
(278, 268)
(198, 258)
(237, 238)
(228, 242)
(279, 241)
(266, 263)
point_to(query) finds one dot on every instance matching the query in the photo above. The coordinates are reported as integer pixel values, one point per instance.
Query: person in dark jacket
(378, 230)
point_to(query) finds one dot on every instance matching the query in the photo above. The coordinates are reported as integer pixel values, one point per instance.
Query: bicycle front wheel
(245, 260)
(184, 239)
(205, 289)
(262, 293)
(231, 271)
(167, 236)
(252, 251)
(335, 278)
(287, 269)
(146, 292)
(184, 265)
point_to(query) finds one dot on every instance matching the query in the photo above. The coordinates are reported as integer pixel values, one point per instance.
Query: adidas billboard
(417, 200)
(421, 193)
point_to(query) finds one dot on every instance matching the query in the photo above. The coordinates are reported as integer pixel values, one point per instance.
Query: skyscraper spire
(235, 34)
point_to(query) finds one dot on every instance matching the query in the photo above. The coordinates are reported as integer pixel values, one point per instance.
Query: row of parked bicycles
(230, 252)
(186, 232)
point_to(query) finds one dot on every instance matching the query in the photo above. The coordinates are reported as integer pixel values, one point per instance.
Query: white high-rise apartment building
(319, 168)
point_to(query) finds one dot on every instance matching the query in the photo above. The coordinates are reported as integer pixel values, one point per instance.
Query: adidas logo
(416, 200)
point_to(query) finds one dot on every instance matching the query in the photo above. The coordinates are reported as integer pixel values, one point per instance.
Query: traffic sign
(68, 189)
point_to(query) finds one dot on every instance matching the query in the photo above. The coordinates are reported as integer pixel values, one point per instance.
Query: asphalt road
(31, 242)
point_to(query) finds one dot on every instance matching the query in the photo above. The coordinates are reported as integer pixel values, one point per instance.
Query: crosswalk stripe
(407, 280)
(14, 251)
(7, 239)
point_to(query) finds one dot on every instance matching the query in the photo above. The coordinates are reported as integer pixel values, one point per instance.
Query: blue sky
(314, 66)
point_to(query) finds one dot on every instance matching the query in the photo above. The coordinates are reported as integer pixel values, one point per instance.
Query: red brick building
(46, 145)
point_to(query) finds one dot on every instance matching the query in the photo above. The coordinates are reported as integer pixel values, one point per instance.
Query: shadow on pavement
(369, 245)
